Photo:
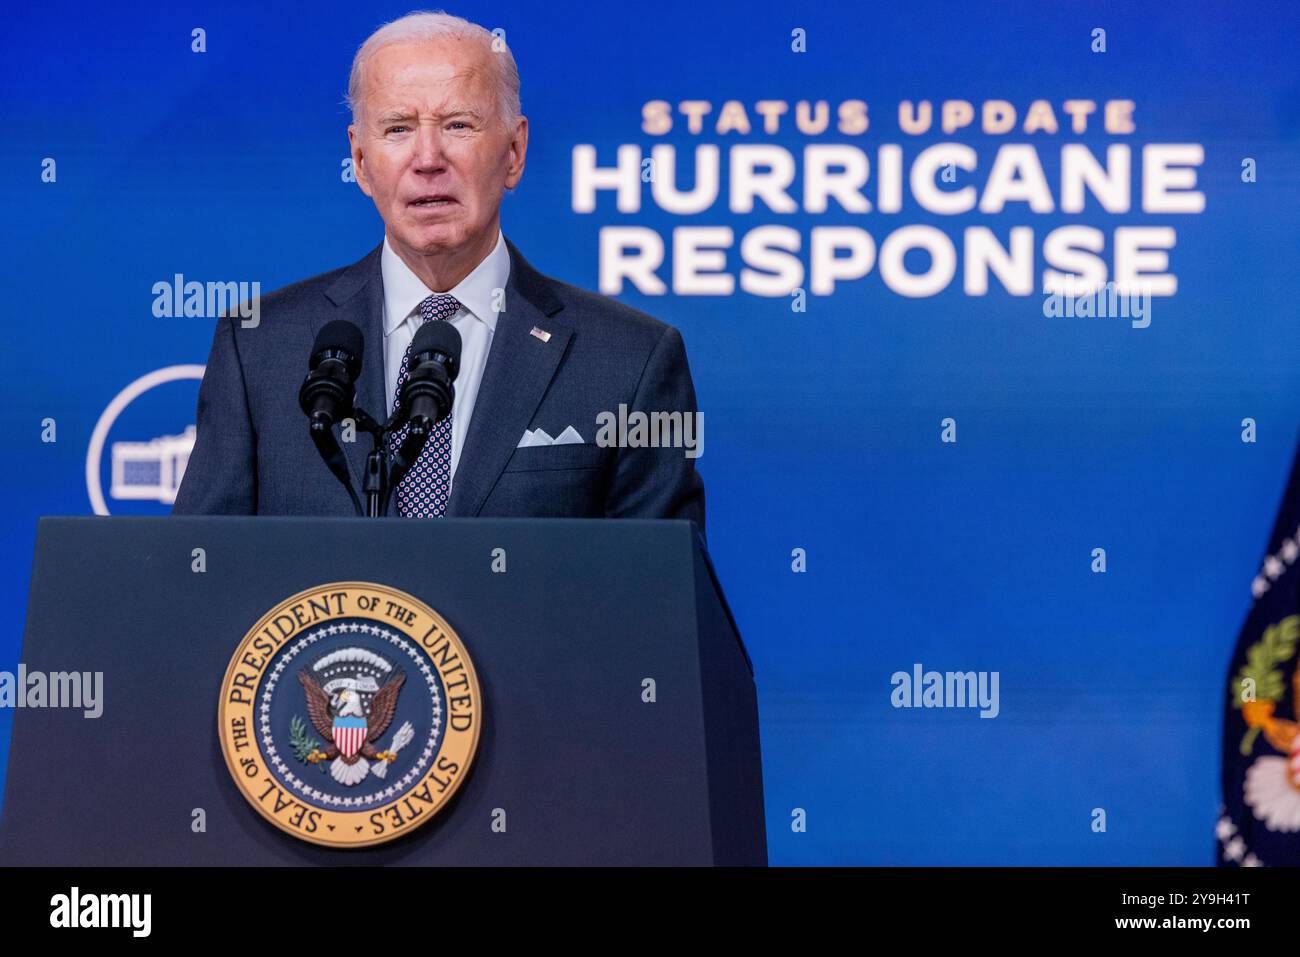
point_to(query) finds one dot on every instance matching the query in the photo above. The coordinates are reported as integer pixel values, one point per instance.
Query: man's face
(428, 146)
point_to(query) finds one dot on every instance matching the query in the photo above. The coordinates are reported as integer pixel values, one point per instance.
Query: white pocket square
(534, 437)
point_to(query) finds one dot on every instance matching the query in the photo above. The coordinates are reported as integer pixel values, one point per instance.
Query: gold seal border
(350, 818)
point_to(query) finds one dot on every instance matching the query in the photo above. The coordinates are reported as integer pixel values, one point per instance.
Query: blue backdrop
(823, 426)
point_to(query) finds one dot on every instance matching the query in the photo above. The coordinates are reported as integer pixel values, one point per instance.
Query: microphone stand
(385, 470)
(328, 397)
(374, 483)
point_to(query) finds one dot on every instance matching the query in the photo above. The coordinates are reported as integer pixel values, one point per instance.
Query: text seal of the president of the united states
(350, 714)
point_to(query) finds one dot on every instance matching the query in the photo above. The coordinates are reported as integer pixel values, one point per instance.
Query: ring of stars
(272, 755)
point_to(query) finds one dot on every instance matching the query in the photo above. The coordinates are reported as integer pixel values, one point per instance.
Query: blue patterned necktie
(423, 492)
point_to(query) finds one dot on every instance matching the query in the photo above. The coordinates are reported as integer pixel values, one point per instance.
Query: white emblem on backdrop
(149, 470)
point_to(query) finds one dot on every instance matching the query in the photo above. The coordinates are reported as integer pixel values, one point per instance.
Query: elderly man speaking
(437, 136)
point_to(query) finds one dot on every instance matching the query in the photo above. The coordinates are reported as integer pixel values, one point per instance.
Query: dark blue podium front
(579, 766)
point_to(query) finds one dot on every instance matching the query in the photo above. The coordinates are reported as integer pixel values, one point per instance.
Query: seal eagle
(352, 734)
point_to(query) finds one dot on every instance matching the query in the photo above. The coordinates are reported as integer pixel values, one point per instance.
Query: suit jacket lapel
(358, 295)
(519, 369)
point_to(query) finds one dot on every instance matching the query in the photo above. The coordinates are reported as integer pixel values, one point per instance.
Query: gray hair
(431, 25)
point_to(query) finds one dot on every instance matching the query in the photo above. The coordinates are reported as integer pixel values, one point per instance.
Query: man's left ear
(518, 151)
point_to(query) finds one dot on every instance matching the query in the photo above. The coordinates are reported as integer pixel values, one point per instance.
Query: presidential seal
(349, 714)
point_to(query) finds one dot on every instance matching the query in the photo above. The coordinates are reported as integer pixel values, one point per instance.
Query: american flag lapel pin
(541, 334)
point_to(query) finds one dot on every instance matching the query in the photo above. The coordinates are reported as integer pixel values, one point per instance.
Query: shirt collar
(404, 290)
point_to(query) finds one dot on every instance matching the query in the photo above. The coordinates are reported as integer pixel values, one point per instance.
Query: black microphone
(427, 395)
(328, 392)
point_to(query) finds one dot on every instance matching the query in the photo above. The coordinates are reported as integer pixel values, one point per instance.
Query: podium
(618, 720)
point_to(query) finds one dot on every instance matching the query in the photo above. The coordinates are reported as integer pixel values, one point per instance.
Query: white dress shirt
(475, 320)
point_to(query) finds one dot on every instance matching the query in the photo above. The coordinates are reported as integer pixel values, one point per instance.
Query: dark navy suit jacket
(253, 455)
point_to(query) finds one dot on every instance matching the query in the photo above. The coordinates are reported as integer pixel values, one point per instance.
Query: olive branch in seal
(1277, 646)
(301, 742)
